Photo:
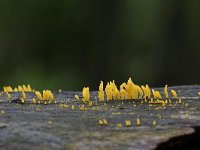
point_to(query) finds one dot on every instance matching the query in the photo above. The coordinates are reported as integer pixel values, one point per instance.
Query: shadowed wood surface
(60, 126)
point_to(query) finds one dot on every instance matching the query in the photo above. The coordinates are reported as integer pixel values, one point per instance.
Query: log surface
(57, 126)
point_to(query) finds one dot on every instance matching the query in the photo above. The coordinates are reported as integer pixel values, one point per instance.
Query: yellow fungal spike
(166, 91)
(148, 91)
(2, 111)
(73, 107)
(15, 90)
(9, 96)
(101, 122)
(29, 88)
(154, 93)
(23, 95)
(24, 88)
(138, 122)
(77, 97)
(119, 125)
(34, 101)
(105, 122)
(154, 123)
(86, 94)
(174, 93)
(39, 95)
(22, 101)
(20, 89)
(101, 92)
(109, 92)
(128, 123)
(45, 96)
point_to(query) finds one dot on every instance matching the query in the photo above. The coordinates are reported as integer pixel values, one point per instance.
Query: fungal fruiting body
(86, 94)
(77, 97)
(128, 123)
(20, 88)
(138, 122)
(174, 93)
(166, 91)
(101, 92)
(46, 95)
(103, 122)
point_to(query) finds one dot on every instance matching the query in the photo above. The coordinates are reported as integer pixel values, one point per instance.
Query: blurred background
(69, 44)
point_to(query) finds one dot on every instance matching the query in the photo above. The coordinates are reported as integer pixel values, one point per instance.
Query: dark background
(69, 44)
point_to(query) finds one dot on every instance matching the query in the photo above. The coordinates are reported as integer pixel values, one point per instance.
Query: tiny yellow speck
(73, 107)
(50, 122)
(2, 111)
(119, 125)
(154, 123)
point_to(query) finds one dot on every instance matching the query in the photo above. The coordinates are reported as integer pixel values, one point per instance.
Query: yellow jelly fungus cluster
(130, 90)
(46, 95)
(20, 88)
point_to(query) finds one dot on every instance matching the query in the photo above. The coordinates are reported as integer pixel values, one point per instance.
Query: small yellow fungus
(50, 122)
(34, 100)
(199, 93)
(77, 97)
(47, 95)
(156, 94)
(138, 122)
(23, 95)
(119, 125)
(154, 123)
(73, 107)
(22, 101)
(101, 92)
(103, 122)
(166, 91)
(86, 94)
(174, 93)
(36, 109)
(2, 111)
(128, 123)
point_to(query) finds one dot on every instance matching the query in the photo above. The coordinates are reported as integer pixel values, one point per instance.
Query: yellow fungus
(119, 125)
(39, 95)
(2, 111)
(166, 91)
(199, 93)
(86, 94)
(73, 107)
(174, 93)
(101, 122)
(77, 97)
(101, 92)
(138, 122)
(50, 122)
(105, 122)
(34, 100)
(22, 101)
(128, 123)
(154, 123)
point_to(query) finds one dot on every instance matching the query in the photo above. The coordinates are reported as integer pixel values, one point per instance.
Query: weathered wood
(56, 126)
